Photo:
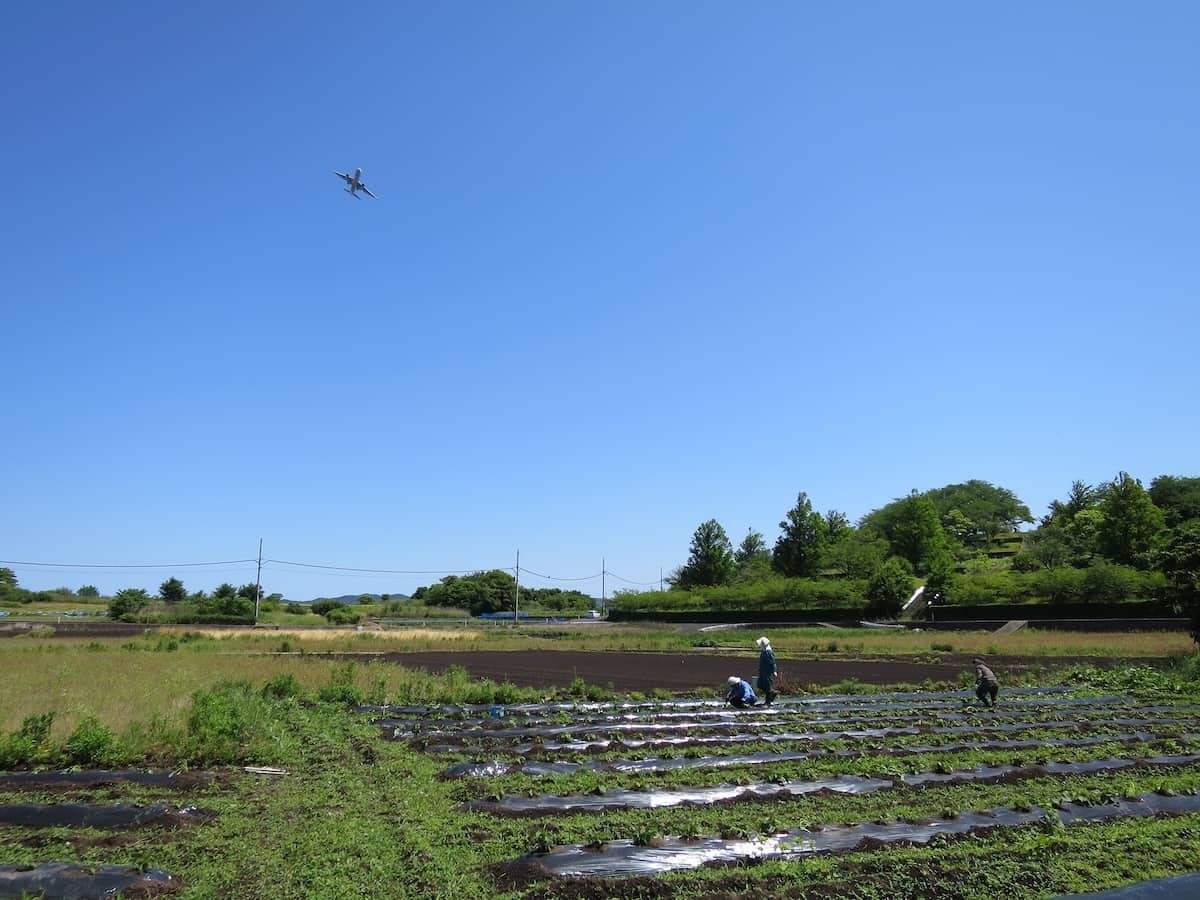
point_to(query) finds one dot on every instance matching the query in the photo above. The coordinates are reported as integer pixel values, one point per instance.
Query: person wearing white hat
(740, 694)
(767, 670)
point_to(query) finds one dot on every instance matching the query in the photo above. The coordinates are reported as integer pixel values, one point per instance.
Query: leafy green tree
(1132, 524)
(364, 599)
(889, 588)
(172, 591)
(942, 576)
(554, 599)
(127, 602)
(1178, 498)
(804, 532)
(752, 547)
(88, 590)
(8, 580)
(978, 509)
(1179, 560)
(837, 526)
(1083, 534)
(1048, 547)
(710, 559)
(857, 553)
(752, 559)
(226, 601)
(959, 525)
(914, 531)
(480, 592)
(1081, 496)
(323, 606)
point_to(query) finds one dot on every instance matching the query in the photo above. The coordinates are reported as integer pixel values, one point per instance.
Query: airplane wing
(342, 175)
(366, 190)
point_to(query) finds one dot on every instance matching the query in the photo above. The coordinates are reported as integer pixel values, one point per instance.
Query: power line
(226, 562)
(627, 581)
(383, 571)
(345, 571)
(556, 578)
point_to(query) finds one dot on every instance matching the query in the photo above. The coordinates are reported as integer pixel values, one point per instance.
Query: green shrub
(321, 607)
(90, 744)
(1059, 585)
(28, 744)
(770, 594)
(578, 687)
(218, 723)
(1025, 562)
(281, 687)
(341, 687)
(342, 615)
(506, 693)
(989, 587)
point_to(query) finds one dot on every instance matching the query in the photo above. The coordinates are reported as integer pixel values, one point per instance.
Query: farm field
(221, 769)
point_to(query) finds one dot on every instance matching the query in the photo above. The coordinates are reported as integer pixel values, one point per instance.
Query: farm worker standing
(986, 685)
(766, 669)
(740, 694)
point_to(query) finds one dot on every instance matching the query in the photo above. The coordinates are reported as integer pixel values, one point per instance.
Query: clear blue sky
(632, 266)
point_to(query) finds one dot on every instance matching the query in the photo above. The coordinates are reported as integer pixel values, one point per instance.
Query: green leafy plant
(90, 744)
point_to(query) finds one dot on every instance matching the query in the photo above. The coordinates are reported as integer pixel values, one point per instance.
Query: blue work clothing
(741, 694)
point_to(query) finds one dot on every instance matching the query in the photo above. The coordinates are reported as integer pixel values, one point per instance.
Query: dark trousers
(740, 703)
(766, 687)
(987, 692)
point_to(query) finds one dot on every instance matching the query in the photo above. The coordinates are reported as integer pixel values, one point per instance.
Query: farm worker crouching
(766, 669)
(740, 694)
(986, 685)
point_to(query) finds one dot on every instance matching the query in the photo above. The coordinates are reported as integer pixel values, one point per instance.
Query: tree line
(495, 591)
(1115, 540)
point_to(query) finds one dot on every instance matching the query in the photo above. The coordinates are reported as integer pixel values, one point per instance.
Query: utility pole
(660, 578)
(258, 582)
(517, 596)
(603, 580)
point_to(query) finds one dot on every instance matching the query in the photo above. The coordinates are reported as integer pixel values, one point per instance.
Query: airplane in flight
(355, 184)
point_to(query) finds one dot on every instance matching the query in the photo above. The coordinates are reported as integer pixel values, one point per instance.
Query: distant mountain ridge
(353, 598)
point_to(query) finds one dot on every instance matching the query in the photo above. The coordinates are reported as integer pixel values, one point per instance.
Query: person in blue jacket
(740, 694)
(766, 670)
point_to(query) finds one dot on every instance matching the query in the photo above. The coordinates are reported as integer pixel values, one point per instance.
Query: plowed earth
(678, 672)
